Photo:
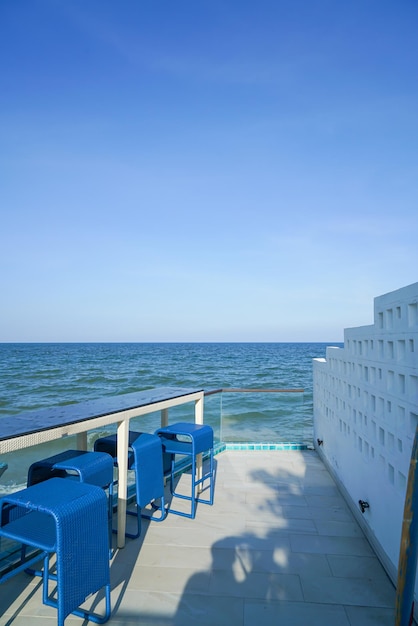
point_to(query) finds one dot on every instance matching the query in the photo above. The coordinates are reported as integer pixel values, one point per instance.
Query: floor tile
(278, 547)
(294, 614)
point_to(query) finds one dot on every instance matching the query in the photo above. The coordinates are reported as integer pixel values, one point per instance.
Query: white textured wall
(366, 413)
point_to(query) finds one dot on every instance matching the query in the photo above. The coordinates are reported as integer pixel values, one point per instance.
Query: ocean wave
(34, 376)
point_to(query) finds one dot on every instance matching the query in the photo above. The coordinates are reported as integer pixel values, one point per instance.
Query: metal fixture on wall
(363, 505)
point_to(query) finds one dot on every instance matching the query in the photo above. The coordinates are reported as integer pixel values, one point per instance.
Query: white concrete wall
(366, 413)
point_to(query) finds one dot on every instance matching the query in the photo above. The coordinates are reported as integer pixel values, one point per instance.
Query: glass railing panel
(213, 413)
(260, 416)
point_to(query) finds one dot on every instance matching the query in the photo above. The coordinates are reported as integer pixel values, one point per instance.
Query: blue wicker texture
(148, 465)
(177, 438)
(109, 444)
(38, 529)
(95, 468)
(79, 535)
(145, 458)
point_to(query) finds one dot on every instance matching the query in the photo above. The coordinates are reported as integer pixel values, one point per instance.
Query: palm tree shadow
(248, 565)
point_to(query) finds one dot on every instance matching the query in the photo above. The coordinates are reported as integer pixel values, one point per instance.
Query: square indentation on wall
(390, 380)
(373, 403)
(391, 474)
(400, 350)
(372, 375)
(391, 442)
(401, 417)
(381, 436)
(413, 314)
(389, 318)
(413, 387)
(401, 482)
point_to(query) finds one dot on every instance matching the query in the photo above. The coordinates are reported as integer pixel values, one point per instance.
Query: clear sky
(205, 170)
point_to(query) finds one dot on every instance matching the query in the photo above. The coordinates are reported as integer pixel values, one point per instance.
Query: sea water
(35, 375)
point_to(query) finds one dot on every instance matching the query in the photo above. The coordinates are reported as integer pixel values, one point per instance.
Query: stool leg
(194, 487)
(182, 496)
(136, 514)
(195, 482)
(45, 578)
(87, 615)
(93, 617)
(110, 517)
(210, 477)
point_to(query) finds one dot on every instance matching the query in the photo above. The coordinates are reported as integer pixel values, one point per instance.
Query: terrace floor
(279, 546)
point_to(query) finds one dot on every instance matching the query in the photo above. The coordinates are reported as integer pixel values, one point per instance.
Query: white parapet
(366, 414)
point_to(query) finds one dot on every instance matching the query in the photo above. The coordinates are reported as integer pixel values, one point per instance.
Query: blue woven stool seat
(109, 445)
(188, 439)
(94, 468)
(91, 467)
(145, 458)
(70, 519)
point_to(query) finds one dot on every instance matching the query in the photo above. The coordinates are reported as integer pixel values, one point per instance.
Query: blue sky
(196, 170)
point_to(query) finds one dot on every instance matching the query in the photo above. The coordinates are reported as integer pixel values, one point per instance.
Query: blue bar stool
(68, 518)
(188, 439)
(145, 458)
(94, 468)
(109, 444)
